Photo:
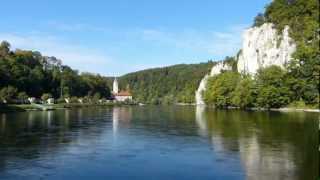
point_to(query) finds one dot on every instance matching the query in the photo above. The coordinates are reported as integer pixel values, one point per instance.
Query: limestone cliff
(262, 46)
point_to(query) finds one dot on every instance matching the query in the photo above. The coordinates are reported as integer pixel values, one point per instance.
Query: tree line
(29, 74)
(166, 85)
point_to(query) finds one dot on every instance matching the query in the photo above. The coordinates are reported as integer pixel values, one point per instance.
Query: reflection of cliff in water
(271, 145)
(31, 135)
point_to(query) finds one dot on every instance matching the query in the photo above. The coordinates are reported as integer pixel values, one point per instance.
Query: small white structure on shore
(80, 100)
(122, 95)
(50, 101)
(32, 100)
(67, 100)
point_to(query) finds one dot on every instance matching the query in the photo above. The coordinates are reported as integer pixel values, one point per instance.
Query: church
(122, 95)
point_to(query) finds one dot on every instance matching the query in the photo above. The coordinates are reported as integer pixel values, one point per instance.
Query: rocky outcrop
(216, 69)
(264, 46)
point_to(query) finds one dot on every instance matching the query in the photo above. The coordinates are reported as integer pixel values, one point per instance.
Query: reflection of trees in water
(165, 120)
(31, 135)
(272, 145)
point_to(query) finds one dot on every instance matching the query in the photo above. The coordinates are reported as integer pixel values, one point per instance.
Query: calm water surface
(158, 143)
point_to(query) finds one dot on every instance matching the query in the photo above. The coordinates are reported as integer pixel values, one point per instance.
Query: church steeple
(115, 86)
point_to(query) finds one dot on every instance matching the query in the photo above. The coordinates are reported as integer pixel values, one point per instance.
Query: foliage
(297, 104)
(220, 89)
(22, 97)
(34, 74)
(166, 85)
(302, 16)
(232, 62)
(46, 96)
(273, 87)
(259, 20)
(7, 94)
(272, 90)
(243, 94)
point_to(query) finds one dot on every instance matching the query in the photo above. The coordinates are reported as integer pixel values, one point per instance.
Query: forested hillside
(297, 84)
(171, 84)
(26, 74)
(29, 74)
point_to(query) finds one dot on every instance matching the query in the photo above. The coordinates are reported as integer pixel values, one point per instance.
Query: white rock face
(201, 88)
(216, 69)
(263, 46)
(221, 66)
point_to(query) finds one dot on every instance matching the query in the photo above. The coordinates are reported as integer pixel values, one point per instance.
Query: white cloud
(217, 43)
(226, 43)
(78, 57)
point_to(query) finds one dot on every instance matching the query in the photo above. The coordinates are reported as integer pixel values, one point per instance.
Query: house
(67, 100)
(32, 100)
(50, 101)
(122, 95)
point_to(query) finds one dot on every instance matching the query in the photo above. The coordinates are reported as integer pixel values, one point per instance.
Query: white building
(115, 89)
(122, 95)
(50, 101)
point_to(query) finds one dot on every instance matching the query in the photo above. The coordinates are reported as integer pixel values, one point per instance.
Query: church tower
(115, 86)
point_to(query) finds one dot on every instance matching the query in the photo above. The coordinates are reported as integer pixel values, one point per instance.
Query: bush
(8, 94)
(23, 97)
(259, 20)
(243, 94)
(272, 91)
(46, 96)
(220, 89)
(74, 99)
(297, 104)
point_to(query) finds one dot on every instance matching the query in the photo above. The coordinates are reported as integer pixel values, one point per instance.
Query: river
(158, 142)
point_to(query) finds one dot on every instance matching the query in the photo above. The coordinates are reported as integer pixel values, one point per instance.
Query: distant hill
(171, 84)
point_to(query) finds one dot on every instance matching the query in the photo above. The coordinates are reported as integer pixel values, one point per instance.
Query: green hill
(171, 84)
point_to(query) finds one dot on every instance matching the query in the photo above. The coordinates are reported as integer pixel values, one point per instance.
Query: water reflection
(272, 145)
(161, 142)
(201, 120)
(30, 138)
(121, 117)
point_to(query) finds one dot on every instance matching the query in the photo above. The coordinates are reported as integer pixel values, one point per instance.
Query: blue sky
(121, 36)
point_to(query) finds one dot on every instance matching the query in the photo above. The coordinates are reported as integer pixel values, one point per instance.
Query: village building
(122, 95)
(50, 101)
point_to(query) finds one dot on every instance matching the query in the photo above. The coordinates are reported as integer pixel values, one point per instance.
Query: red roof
(123, 93)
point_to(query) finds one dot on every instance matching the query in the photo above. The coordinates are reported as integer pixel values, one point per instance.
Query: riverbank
(295, 110)
(284, 109)
(46, 107)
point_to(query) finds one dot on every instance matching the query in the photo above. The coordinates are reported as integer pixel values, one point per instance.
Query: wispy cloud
(217, 43)
(226, 43)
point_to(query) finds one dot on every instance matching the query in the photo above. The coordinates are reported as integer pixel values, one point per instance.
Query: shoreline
(283, 109)
(30, 107)
(11, 108)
